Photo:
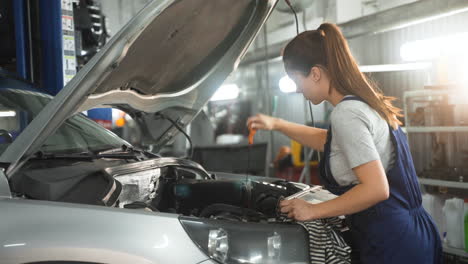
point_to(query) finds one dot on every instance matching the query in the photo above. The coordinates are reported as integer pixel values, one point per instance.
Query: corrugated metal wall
(384, 48)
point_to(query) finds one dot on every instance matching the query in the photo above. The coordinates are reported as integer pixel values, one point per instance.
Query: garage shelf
(429, 95)
(455, 251)
(451, 184)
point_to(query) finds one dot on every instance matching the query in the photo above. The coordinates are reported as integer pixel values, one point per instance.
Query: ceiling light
(7, 113)
(429, 49)
(395, 67)
(287, 85)
(226, 92)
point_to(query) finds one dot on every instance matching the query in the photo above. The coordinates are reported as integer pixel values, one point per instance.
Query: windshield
(78, 134)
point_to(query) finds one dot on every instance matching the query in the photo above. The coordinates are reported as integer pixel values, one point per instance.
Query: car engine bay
(168, 185)
(188, 190)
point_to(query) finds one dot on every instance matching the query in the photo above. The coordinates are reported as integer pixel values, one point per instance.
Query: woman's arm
(372, 189)
(312, 137)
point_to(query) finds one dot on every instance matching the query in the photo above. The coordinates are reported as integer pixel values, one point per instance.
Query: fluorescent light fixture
(15, 245)
(426, 19)
(287, 85)
(396, 67)
(226, 92)
(429, 49)
(7, 113)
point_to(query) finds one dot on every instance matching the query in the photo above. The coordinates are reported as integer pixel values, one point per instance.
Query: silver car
(73, 192)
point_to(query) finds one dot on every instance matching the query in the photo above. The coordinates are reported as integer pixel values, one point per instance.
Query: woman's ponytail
(346, 77)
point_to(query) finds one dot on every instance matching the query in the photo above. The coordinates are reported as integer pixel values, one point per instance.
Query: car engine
(188, 190)
(167, 185)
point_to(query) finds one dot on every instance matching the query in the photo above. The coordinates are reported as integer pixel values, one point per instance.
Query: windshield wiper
(126, 150)
(123, 152)
(118, 155)
(41, 155)
(85, 156)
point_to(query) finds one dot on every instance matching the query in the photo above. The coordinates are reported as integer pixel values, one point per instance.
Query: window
(78, 134)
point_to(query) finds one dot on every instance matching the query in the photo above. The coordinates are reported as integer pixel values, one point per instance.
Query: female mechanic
(367, 161)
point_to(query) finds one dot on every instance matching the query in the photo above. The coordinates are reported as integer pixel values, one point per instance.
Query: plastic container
(454, 210)
(433, 204)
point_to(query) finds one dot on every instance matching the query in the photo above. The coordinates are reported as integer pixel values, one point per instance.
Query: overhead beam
(402, 16)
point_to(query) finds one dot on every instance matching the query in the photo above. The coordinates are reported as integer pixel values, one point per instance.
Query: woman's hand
(261, 121)
(298, 209)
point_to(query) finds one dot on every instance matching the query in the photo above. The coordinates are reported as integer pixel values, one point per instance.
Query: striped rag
(326, 243)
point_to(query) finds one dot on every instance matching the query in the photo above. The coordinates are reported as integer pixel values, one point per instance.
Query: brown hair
(327, 48)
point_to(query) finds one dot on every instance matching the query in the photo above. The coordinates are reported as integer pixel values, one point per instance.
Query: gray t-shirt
(360, 135)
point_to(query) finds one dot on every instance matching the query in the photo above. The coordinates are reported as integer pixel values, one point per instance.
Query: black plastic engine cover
(194, 195)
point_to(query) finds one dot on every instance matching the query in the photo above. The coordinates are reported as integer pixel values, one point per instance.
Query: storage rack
(431, 129)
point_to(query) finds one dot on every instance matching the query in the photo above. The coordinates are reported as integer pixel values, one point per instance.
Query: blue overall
(397, 230)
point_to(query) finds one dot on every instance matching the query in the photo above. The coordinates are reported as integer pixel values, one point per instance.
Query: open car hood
(169, 58)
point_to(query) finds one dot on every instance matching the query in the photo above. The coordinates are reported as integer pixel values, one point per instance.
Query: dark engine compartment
(173, 189)
(242, 200)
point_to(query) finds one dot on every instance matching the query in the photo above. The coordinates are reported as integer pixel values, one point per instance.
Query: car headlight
(238, 242)
(218, 244)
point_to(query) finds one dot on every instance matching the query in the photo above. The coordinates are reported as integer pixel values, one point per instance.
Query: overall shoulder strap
(353, 98)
